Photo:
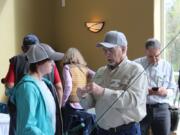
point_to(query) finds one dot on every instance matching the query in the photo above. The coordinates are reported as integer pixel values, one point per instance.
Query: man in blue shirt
(161, 87)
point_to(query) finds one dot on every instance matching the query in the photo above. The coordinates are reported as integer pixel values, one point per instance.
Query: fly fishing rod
(95, 125)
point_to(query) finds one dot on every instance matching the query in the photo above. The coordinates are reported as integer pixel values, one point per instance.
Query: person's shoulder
(27, 81)
(48, 82)
(101, 69)
(100, 72)
(19, 56)
(140, 60)
(13, 59)
(165, 63)
(66, 67)
(135, 66)
(28, 86)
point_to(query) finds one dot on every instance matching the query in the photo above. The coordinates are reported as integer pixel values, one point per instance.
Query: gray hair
(152, 43)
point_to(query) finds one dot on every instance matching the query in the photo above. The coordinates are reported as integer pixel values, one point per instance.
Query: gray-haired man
(118, 91)
(161, 86)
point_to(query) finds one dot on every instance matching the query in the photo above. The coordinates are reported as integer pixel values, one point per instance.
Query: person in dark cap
(19, 66)
(30, 39)
(17, 69)
(38, 110)
(118, 91)
(161, 88)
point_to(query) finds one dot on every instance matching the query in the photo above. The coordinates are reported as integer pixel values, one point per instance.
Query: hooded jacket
(32, 114)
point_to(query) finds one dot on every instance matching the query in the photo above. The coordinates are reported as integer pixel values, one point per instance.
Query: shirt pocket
(124, 84)
(118, 84)
(161, 79)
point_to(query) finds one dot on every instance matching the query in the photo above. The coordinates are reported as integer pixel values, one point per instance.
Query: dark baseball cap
(30, 39)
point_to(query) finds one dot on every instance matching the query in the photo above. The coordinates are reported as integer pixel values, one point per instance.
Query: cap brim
(106, 45)
(57, 56)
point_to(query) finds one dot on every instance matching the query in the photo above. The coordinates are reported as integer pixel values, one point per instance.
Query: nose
(107, 53)
(155, 59)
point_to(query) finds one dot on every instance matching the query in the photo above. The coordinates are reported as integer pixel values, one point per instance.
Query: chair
(77, 121)
(75, 126)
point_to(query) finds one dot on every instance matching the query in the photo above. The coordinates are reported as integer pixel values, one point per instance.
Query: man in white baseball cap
(116, 41)
(118, 91)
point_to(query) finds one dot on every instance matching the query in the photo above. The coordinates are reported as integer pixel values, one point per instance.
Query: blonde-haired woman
(75, 74)
(73, 56)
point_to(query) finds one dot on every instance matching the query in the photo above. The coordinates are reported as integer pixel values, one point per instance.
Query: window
(170, 32)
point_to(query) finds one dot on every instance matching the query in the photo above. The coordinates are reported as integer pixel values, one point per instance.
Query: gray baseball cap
(113, 39)
(40, 52)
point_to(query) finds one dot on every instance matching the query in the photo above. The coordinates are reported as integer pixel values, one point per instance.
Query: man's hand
(95, 89)
(160, 92)
(92, 88)
(82, 92)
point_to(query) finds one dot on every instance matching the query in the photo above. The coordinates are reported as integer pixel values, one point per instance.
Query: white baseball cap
(113, 39)
(40, 52)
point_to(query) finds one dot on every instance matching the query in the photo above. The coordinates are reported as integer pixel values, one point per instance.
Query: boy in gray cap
(35, 97)
(19, 66)
(118, 91)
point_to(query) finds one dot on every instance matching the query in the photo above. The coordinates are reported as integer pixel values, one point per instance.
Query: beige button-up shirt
(124, 98)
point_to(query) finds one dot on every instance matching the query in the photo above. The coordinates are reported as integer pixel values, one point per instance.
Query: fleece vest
(79, 79)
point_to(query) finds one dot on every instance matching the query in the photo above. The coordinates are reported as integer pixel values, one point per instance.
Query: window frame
(160, 28)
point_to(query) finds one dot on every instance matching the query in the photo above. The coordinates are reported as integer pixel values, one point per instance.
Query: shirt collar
(156, 64)
(119, 65)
